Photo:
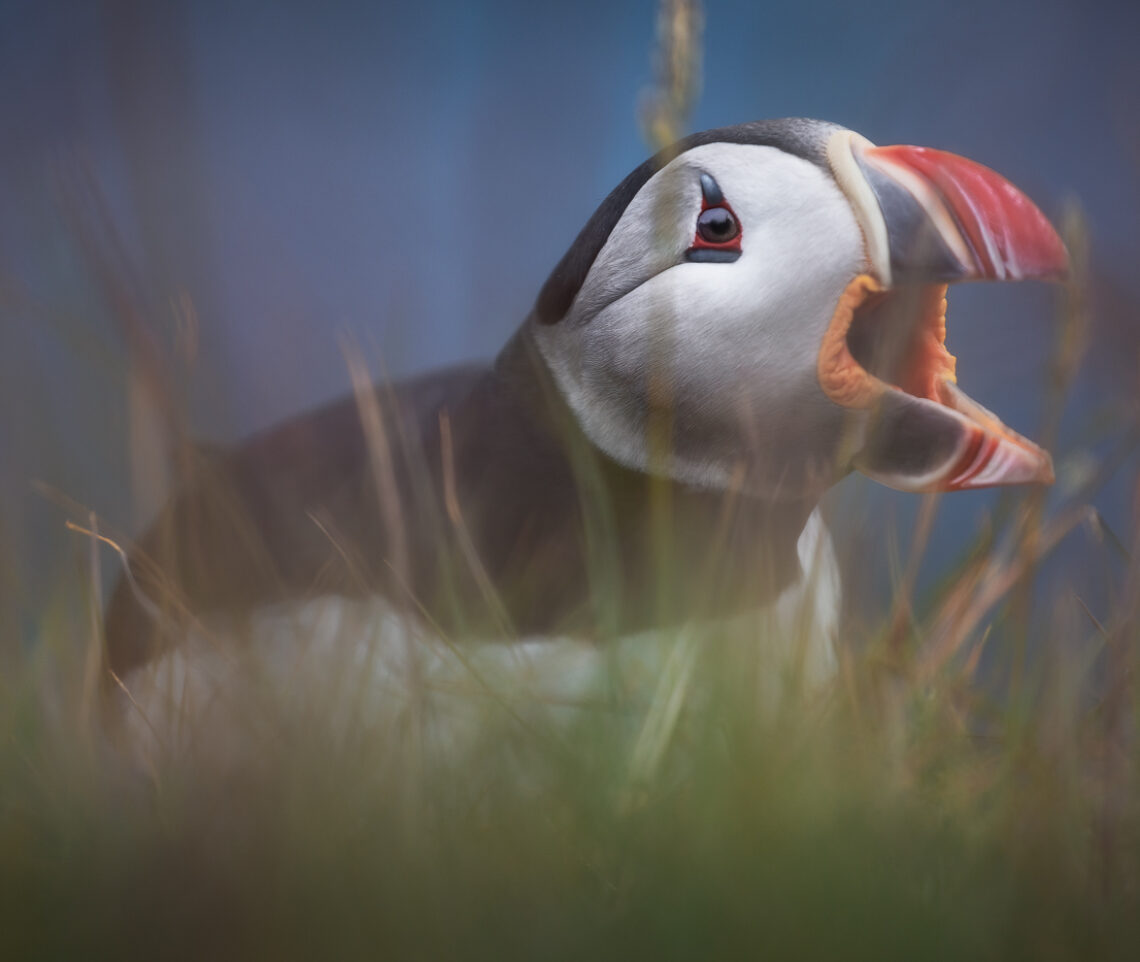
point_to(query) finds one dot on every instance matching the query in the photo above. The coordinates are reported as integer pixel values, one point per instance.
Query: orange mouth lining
(926, 364)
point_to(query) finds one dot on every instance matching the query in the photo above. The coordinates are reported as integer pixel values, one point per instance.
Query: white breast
(339, 668)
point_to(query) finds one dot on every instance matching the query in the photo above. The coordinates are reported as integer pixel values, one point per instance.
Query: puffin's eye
(717, 225)
(717, 237)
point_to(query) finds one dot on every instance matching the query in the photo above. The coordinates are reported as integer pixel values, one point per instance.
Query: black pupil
(717, 225)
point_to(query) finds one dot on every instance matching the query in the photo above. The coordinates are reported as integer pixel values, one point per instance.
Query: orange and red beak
(986, 228)
(929, 218)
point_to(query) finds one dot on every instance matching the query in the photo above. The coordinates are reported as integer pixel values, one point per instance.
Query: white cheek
(748, 331)
(729, 338)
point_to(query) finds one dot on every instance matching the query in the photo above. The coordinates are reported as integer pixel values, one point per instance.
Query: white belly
(345, 666)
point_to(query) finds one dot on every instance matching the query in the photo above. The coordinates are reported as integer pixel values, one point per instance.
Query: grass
(880, 817)
(965, 787)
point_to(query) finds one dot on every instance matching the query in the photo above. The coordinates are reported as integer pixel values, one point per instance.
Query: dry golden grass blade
(952, 627)
(387, 495)
(157, 434)
(677, 71)
(96, 655)
(660, 722)
(467, 546)
(380, 457)
(902, 612)
(665, 110)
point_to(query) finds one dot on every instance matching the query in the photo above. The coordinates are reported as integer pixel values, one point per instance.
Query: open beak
(929, 218)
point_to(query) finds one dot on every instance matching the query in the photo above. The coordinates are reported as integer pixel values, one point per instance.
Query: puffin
(748, 317)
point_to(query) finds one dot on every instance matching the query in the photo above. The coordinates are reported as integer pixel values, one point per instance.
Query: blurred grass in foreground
(868, 820)
(909, 809)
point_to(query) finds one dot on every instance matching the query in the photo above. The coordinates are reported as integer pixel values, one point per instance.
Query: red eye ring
(717, 233)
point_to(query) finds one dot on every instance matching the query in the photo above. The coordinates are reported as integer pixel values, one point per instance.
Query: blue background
(411, 172)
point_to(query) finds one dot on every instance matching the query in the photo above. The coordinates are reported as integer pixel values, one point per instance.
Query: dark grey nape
(796, 135)
(565, 536)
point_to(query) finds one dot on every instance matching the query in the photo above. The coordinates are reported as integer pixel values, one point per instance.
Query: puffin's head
(777, 291)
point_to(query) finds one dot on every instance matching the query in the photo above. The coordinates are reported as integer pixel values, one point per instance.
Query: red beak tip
(1007, 233)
